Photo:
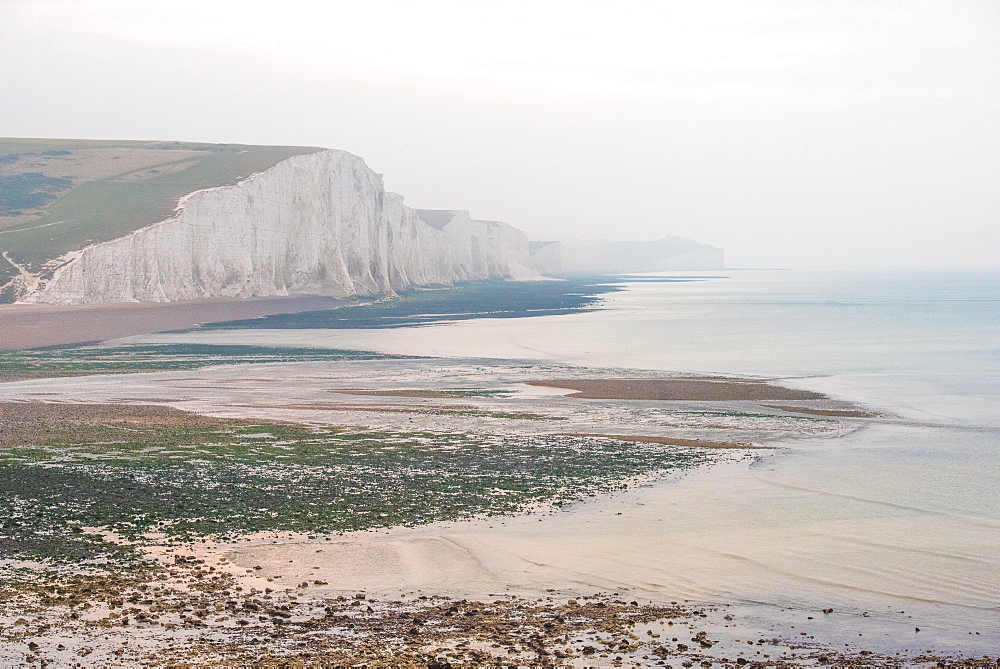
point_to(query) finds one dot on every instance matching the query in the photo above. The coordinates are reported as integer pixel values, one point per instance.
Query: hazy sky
(794, 133)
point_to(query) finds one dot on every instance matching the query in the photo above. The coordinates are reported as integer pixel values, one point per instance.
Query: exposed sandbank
(699, 389)
(30, 422)
(836, 413)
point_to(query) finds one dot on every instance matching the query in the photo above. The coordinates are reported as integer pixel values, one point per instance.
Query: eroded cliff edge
(319, 223)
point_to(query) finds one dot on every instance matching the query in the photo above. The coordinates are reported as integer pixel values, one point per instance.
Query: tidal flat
(134, 511)
(140, 469)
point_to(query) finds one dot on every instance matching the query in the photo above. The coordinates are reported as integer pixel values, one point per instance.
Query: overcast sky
(795, 134)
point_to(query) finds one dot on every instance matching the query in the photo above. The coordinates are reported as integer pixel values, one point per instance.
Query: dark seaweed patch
(231, 477)
(479, 299)
(52, 361)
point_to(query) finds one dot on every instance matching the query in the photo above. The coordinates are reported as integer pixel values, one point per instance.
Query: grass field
(58, 196)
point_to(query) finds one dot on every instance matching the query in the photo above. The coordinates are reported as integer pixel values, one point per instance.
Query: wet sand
(36, 325)
(692, 389)
(666, 541)
(27, 422)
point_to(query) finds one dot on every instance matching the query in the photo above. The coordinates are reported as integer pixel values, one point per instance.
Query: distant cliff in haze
(661, 255)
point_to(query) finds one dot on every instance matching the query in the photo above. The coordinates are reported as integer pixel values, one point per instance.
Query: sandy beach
(36, 325)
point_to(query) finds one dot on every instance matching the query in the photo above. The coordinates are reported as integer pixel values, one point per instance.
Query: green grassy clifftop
(60, 195)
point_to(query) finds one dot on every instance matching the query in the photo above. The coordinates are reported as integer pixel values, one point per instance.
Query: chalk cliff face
(319, 223)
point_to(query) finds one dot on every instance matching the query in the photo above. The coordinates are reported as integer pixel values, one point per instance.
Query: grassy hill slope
(60, 195)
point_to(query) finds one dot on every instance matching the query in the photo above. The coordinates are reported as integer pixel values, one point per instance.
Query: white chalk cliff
(319, 223)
